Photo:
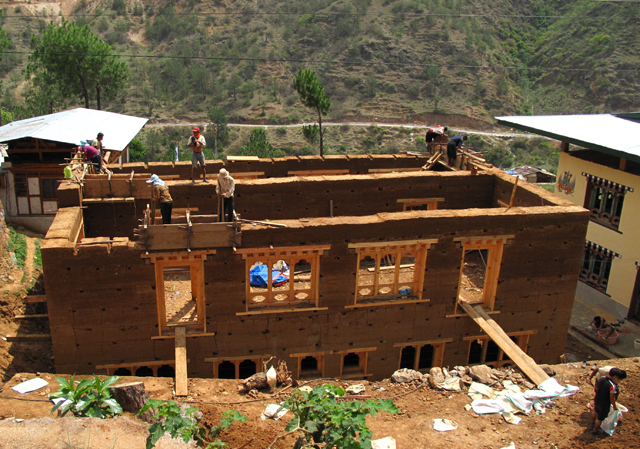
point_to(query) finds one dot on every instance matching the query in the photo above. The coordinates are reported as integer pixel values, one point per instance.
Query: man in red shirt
(91, 154)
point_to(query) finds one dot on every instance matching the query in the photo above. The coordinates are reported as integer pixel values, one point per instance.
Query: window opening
(309, 363)
(426, 357)
(493, 352)
(246, 369)
(166, 371)
(475, 352)
(390, 271)
(144, 371)
(474, 269)
(408, 357)
(227, 370)
(484, 350)
(351, 362)
(122, 372)
(302, 280)
(179, 300)
(605, 200)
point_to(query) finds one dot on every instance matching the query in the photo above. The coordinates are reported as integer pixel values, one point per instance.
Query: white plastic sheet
(611, 421)
(444, 425)
(30, 385)
(511, 446)
(520, 402)
(274, 411)
(450, 384)
(511, 418)
(489, 406)
(478, 388)
(384, 443)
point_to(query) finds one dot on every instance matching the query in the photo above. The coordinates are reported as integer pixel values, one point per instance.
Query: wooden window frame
(431, 203)
(363, 362)
(438, 352)
(291, 255)
(133, 367)
(237, 360)
(523, 343)
(319, 356)
(495, 247)
(377, 250)
(596, 265)
(601, 211)
(195, 262)
(40, 197)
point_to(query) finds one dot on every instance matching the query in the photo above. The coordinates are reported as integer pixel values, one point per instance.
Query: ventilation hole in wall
(338, 258)
(353, 191)
(104, 310)
(539, 311)
(328, 191)
(306, 208)
(77, 344)
(245, 211)
(81, 291)
(242, 321)
(229, 334)
(136, 308)
(118, 289)
(379, 188)
(128, 268)
(279, 319)
(546, 327)
(68, 268)
(301, 329)
(97, 268)
(297, 193)
(265, 332)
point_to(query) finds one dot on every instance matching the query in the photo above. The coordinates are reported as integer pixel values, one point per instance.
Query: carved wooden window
(282, 277)
(596, 266)
(310, 365)
(422, 355)
(354, 363)
(236, 367)
(483, 350)
(605, 200)
(390, 271)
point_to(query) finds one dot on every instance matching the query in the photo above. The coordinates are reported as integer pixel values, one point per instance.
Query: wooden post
(513, 193)
(181, 386)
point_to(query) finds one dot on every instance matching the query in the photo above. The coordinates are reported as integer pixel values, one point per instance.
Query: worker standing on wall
(226, 188)
(163, 198)
(197, 142)
(97, 143)
(452, 148)
(433, 134)
(90, 153)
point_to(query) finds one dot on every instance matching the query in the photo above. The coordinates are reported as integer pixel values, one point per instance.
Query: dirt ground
(25, 421)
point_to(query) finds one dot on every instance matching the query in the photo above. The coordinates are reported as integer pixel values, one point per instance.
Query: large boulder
(436, 376)
(406, 375)
(482, 374)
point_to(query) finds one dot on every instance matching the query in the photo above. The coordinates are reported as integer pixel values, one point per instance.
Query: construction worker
(452, 148)
(226, 187)
(163, 197)
(197, 142)
(97, 143)
(433, 134)
(90, 153)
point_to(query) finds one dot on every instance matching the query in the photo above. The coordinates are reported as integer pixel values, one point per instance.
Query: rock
(446, 373)
(482, 374)
(497, 374)
(467, 379)
(406, 375)
(547, 369)
(528, 385)
(436, 376)
(461, 370)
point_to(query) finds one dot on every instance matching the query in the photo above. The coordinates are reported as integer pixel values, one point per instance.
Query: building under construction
(368, 264)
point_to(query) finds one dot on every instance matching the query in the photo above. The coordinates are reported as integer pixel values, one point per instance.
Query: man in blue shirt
(453, 146)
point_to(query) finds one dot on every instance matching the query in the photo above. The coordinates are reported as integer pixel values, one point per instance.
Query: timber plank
(28, 337)
(181, 361)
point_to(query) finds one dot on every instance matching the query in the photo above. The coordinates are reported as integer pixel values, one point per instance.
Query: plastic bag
(610, 423)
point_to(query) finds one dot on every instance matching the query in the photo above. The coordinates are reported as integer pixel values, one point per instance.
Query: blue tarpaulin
(258, 276)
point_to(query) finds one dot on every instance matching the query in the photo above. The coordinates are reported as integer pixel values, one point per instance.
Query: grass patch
(37, 258)
(18, 244)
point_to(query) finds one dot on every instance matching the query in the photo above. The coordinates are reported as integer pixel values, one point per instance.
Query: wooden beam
(393, 243)
(623, 164)
(181, 387)
(28, 337)
(513, 193)
(318, 172)
(43, 316)
(419, 200)
(497, 334)
(35, 298)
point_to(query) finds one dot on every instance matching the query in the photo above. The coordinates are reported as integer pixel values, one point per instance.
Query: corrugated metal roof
(75, 125)
(607, 133)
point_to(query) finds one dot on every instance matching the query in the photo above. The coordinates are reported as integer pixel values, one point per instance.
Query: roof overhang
(611, 134)
(75, 125)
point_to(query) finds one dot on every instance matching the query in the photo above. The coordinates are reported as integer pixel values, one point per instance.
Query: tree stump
(132, 397)
(258, 381)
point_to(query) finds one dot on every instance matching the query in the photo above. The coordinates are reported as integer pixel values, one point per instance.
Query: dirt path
(28, 263)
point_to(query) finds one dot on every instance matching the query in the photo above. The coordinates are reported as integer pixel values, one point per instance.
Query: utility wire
(334, 62)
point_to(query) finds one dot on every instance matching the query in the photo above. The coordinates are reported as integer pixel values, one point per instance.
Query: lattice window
(282, 277)
(605, 200)
(422, 355)
(483, 350)
(310, 365)
(596, 266)
(390, 271)
(236, 367)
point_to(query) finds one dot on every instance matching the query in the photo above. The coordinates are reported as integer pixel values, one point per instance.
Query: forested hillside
(383, 58)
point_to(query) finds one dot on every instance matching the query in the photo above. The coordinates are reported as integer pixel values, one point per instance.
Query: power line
(334, 62)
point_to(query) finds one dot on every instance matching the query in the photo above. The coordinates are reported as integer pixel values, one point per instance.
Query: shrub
(18, 244)
(88, 397)
(171, 419)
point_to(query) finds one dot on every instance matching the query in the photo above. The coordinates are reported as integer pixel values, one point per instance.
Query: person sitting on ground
(452, 147)
(226, 188)
(197, 142)
(163, 197)
(97, 143)
(90, 153)
(433, 134)
(597, 323)
(606, 396)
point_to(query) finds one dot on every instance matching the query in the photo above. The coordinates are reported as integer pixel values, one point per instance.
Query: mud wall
(102, 302)
(280, 167)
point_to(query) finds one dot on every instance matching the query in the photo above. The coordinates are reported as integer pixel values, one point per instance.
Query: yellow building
(599, 168)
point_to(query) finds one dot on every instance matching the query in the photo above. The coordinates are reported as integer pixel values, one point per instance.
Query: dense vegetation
(375, 58)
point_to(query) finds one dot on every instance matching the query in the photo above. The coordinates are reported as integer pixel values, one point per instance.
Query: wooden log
(28, 337)
(43, 316)
(182, 388)
(258, 382)
(35, 298)
(132, 397)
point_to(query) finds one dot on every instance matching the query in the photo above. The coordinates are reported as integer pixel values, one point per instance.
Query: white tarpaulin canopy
(75, 125)
(607, 133)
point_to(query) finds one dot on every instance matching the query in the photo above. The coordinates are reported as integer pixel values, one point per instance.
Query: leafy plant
(87, 397)
(18, 244)
(322, 421)
(183, 425)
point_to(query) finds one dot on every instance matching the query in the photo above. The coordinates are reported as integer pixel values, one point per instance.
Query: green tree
(137, 152)
(77, 62)
(234, 83)
(312, 96)
(5, 41)
(259, 145)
